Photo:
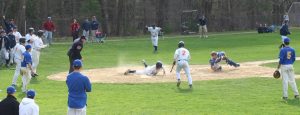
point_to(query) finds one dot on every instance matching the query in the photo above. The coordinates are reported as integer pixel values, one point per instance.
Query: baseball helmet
(181, 44)
(40, 33)
(31, 30)
(158, 64)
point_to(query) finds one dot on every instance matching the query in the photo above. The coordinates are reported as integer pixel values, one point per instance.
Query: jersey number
(289, 55)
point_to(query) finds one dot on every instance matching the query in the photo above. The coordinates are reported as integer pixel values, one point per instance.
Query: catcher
(217, 57)
(149, 70)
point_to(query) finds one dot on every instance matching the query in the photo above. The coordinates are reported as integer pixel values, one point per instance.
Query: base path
(198, 72)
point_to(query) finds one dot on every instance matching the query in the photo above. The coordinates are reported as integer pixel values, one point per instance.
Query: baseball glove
(276, 74)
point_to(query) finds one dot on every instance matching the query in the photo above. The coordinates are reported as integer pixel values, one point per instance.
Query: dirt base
(198, 72)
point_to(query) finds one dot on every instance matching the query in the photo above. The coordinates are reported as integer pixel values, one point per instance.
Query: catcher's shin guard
(232, 63)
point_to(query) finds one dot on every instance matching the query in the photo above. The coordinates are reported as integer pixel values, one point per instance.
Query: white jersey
(182, 54)
(19, 50)
(154, 32)
(17, 36)
(31, 38)
(38, 44)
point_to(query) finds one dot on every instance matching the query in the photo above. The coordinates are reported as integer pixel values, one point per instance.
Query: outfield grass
(236, 96)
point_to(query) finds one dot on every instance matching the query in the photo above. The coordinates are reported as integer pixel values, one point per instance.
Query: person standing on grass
(86, 27)
(28, 105)
(37, 46)
(49, 28)
(94, 28)
(284, 31)
(74, 52)
(78, 84)
(75, 29)
(202, 26)
(287, 58)
(10, 105)
(9, 25)
(18, 56)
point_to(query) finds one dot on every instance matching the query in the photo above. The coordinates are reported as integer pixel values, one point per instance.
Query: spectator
(4, 48)
(86, 26)
(49, 28)
(74, 51)
(9, 25)
(94, 28)
(286, 17)
(75, 29)
(284, 30)
(202, 27)
(10, 105)
(28, 106)
(78, 85)
(12, 44)
(260, 29)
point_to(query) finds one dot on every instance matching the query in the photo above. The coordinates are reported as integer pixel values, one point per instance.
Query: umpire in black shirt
(74, 51)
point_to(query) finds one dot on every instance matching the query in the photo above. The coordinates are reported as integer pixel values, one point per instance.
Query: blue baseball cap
(30, 93)
(10, 90)
(77, 63)
(286, 40)
(27, 47)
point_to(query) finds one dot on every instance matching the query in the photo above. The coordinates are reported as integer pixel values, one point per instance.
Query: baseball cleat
(178, 83)
(285, 99)
(296, 97)
(191, 86)
(127, 72)
(237, 65)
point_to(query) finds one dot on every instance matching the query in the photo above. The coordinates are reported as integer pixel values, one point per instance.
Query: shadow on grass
(34, 80)
(188, 90)
(293, 102)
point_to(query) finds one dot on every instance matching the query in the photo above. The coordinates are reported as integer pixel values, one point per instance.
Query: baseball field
(219, 93)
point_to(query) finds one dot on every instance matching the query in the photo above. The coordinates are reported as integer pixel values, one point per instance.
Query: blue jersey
(220, 54)
(213, 61)
(26, 59)
(78, 85)
(287, 56)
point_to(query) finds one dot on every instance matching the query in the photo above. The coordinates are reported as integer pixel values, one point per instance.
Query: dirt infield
(199, 72)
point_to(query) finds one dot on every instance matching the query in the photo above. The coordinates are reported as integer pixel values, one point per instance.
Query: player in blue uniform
(26, 68)
(287, 58)
(217, 57)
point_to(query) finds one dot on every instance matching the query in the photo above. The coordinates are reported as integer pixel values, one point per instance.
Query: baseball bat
(172, 66)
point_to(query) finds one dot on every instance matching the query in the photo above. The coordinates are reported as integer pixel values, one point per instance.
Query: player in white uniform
(149, 70)
(17, 34)
(30, 36)
(182, 57)
(37, 46)
(18, 57)
(154, 36)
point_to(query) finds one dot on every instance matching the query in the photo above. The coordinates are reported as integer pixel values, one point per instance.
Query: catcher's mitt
(276, 74)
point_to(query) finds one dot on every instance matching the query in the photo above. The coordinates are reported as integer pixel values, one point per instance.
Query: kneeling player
(217, 57)
(149, 70)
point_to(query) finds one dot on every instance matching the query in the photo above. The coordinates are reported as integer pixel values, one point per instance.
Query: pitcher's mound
(198, 72)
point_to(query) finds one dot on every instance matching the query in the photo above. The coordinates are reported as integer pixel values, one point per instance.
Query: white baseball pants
(72, 111)
(288, 77)
(17, 71)
(35, 59)
(154, 41)
(183, 64)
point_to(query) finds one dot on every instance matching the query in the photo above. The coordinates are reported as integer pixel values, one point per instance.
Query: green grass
(229, 97)
(296, 66)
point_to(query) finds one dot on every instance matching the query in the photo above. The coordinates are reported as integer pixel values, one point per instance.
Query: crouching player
(217, 57)
(149, 70)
